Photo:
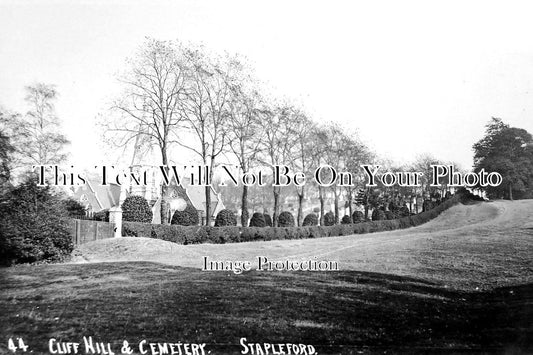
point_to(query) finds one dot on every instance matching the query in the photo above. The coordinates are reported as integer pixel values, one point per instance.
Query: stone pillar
(115, 217)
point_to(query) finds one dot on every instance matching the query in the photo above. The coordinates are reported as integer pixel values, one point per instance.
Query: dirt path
(467, 247)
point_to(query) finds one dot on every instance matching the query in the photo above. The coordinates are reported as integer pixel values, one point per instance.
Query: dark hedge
(234, 234)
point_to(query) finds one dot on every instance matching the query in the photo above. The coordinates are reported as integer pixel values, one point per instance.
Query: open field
(460, 283)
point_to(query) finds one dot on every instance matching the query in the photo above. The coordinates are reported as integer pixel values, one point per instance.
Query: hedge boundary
(235, 234)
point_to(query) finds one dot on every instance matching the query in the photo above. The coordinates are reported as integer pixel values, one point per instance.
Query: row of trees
(182, 96)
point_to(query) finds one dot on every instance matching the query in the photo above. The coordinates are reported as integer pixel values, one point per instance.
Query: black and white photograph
(196, 177)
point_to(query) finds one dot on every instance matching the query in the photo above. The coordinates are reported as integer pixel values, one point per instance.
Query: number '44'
(21, 346)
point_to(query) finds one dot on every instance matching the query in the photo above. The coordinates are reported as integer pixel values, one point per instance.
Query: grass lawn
(336, 312)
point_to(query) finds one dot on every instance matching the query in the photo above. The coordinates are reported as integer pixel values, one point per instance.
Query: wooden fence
(84, 231)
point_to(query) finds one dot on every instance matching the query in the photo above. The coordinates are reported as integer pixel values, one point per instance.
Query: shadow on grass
(337, 312)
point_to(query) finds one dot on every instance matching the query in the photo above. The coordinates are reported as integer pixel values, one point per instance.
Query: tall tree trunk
(350, 205)
(244, 206)
(209, 178)
(208, 205)
(276, 206)
(321, 197)
(336, 206)
(510, 191)
(300, 207)
(164, 204)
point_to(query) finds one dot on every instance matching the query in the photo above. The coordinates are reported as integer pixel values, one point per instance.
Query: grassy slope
(467, 247)
(401, 291)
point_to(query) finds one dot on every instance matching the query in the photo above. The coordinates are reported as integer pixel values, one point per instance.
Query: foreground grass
(337, 312)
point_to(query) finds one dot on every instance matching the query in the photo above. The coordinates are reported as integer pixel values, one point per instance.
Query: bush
(394, 206)
(258, 220)
(378, 215)
(34, 225)
(102, 215)
(329, 219)
(225, 218)
(136, 209)
(358, 217)
(285, 219)
(390, 215)
(187, 217)
(404, 211)
(310, 220)
(346, 219)
(73, 208)
(427, 205)
(268, 219)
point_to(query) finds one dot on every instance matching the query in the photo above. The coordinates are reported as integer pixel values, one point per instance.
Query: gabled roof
(196, 195)
(99, 197)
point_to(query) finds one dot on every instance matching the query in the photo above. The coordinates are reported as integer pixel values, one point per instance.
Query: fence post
(115, 217)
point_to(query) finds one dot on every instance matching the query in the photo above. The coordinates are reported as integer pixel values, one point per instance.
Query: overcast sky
(411, 76)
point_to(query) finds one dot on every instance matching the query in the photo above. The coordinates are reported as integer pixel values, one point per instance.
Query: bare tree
(334, 141)
(276, 144)
(36, 135)
(206, 108)
(317, 152)
(302, 131)
(423, 164)
(149, 110)
(244, 133)
(354, 154)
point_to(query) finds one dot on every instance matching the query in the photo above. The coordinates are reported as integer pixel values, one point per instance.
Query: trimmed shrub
(34, 225)
(102, 215)
(394, 206)
(225, 218)
(358, 217)
(310, 220)
(329, 219)
(390, 215)
(378, 215)
(346, 219)
(187, 217)
(404, 211)
(258, 220)
(285, 219)
(136, 209)
(268, 219)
